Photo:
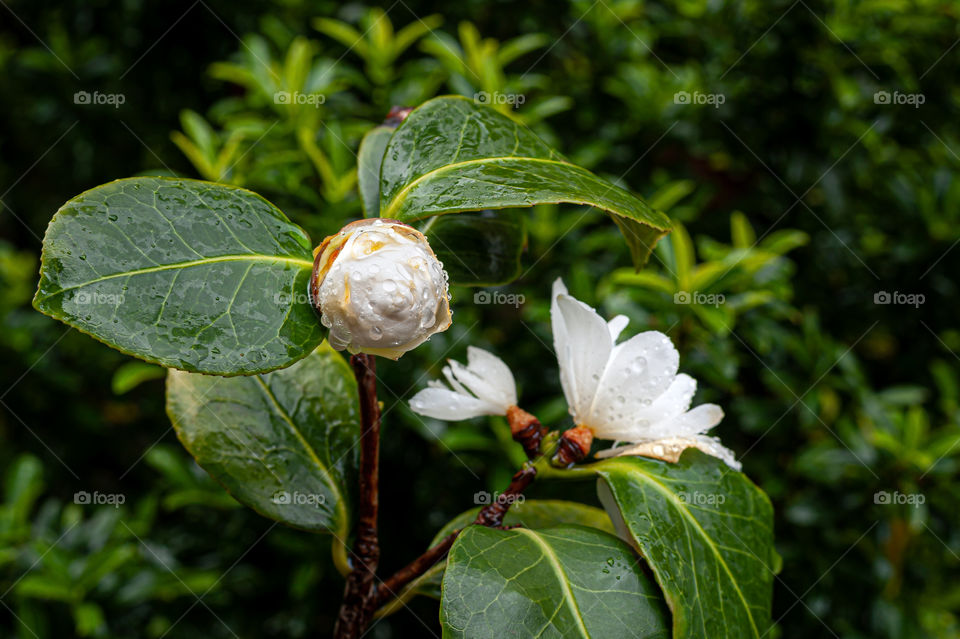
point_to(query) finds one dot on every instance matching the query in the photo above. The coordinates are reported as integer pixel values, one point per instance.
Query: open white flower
(631, 391)
(379, 287)
(485, 386)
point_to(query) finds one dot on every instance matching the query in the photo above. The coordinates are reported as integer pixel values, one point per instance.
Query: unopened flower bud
(379, 288)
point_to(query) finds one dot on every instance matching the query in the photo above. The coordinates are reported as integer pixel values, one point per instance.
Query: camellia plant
(215, 283)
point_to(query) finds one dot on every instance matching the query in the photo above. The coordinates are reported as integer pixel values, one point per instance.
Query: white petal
(639, 371)
(712, 446)
(670, 449)
(457, 386)
(616, 326)
(496, 373)
(675, 401)
(561, 342)
(477, 385)
(559, 288)
(441, 403)
(584, 355)
(691, 423)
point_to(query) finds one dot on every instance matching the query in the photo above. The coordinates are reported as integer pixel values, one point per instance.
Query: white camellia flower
(485, 386)
(631, 391)
(379, 288)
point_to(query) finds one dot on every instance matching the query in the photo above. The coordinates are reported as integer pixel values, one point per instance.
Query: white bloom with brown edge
(629, 392)
(379, 288)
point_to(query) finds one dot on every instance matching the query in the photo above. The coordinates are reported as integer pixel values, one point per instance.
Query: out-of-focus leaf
(480, 248)
(369, 160)
(132, 374)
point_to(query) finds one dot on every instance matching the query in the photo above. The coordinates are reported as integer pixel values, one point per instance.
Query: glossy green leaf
(369, 160)
(282, 443)
(533, 514)
(187, 274)
(452, 155)
(707, 533)
(561, 582)
(479, 248)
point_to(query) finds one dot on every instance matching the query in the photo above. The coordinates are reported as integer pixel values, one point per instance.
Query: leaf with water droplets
(707, 533)
(532, 513)
(187, 274)
(555, 583)
(452, 155)
(282, 443)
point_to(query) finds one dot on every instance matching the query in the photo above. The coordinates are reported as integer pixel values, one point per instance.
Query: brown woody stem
(359, 592)
(492, 514)
(392, 586)
(530, 434)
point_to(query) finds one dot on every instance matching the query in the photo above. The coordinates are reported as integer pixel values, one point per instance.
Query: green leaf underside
(289, 433)
(534, 514)
(562, 582)
(714, 561)
(452, 155)
(187, 274)
(479, 248)
(369, 159)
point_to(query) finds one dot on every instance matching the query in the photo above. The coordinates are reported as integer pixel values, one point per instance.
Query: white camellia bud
(379, 288)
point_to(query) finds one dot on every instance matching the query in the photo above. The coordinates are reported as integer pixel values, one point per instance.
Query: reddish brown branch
(392, 586)
(492, 514)
(360, 589)
(526, 429)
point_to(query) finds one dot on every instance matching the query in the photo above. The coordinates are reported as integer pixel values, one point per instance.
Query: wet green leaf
(452, 155)
(187, 274)
(282, 443)
(562, 582)
(707, 533)
(533, 514)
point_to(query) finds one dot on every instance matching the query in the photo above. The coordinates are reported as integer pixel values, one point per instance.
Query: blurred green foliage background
(801, 197)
